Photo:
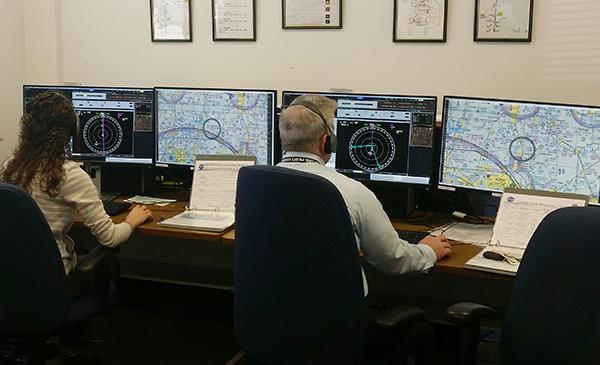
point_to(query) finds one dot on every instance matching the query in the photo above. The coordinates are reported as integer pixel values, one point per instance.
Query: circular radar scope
(372, 148)
(102, 134)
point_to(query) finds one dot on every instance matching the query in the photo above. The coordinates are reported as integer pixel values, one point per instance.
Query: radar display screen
(115, 124)
(382, 137)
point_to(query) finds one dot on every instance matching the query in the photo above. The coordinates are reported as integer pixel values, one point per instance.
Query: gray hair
(300, 128)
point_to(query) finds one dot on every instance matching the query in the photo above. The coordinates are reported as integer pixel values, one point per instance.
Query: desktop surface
(454, 264)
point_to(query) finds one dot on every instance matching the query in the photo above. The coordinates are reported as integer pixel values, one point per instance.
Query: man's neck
(304, 154)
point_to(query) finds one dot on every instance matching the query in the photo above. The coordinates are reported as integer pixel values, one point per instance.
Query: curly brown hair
(46, 129)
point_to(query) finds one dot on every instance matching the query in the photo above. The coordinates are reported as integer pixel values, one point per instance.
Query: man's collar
(304, 155)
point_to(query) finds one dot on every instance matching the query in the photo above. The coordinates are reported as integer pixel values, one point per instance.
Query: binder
(519, 214)
(212, 200)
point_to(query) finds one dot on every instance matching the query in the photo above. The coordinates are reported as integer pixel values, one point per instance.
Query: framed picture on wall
(311, 14)
(420, 21)
(233, 20)
(503, 20)
(171, 20)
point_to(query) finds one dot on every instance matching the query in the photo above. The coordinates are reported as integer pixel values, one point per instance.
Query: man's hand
(439, 244)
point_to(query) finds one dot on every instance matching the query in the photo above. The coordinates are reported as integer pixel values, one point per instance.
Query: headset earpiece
(327, 146)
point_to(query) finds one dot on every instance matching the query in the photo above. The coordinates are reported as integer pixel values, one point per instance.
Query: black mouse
(493, 256)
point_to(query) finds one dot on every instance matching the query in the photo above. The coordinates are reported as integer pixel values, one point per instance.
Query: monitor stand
(127, 179)
(95, 172)
(397, 201)
(111, 180)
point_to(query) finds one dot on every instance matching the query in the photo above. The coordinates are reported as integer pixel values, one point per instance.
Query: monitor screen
(493, 144)
(115, 124)
(194, 122)
(382, 137)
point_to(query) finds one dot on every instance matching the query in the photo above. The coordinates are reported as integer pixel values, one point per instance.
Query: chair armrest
(463, 313)
(400, 316)
(99, 255)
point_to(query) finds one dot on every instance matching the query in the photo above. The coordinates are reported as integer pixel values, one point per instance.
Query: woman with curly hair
(59, 186)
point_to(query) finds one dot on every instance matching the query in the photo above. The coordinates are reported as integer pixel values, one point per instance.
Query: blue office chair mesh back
(32, 277)
(298, 286)
(553, 317)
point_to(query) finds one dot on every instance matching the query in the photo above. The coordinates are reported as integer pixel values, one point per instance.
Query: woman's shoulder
(73, 170)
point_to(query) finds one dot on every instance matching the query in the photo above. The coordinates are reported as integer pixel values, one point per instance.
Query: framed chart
(170, 20)
(420, 21)
(311, 14)
(503, 20)
(234, 20)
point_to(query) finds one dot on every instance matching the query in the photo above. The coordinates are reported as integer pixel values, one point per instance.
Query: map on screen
(213, 122)
(491, 145)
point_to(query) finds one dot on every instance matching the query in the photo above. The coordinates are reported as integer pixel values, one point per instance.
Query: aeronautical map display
(213, 122)
(491, 145)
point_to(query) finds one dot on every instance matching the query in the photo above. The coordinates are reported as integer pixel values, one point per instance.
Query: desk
(201, 258)
(454, 264)
(167, 254)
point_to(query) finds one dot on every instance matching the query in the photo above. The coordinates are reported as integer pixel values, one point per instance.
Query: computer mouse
(493, 256)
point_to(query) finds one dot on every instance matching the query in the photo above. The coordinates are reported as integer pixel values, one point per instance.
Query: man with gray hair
(306, 132)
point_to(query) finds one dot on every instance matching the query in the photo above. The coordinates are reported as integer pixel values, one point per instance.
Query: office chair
(552, 315)
(298, 296)
(35, 302)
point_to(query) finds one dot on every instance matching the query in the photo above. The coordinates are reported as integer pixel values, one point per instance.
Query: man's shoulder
(346, 184)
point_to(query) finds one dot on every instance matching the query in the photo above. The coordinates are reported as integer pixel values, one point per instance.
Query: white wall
(43, 39)
(108, 43)
(12, 73)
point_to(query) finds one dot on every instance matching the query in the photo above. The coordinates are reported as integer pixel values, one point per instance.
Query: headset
(331, 140)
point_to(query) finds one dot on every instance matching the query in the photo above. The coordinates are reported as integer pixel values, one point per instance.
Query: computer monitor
(194, 122)
(491, 144)
(386, 138)
(116, 124)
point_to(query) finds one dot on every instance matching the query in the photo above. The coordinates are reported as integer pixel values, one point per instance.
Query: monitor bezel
(98, 160)
(435, 146)
(168, 165)
(447, 187)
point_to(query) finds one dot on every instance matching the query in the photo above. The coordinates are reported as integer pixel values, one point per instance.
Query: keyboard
(412, 236)
(115, 208)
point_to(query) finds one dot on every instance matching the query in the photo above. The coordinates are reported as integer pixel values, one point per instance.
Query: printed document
(212, 200)
(519, 214)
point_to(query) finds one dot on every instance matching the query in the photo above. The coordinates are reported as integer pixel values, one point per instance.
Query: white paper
(501, 267)
(171, 19)
(420, 19)
(519, 215)
(214, 184)
(507, 19)
(148, 200)
(234, 19)
(312, 13)
(478, 234)
(201, 220)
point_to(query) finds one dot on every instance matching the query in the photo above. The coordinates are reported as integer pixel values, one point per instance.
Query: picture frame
(311, 14)
(171, 20)
(420, 22)
(503, 21)
(234, 20)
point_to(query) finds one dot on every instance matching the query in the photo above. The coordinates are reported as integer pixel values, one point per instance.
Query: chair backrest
(33, 291)
(298, 294)
(552, 317)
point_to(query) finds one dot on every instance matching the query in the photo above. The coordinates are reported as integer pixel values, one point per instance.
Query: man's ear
(322, 143)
